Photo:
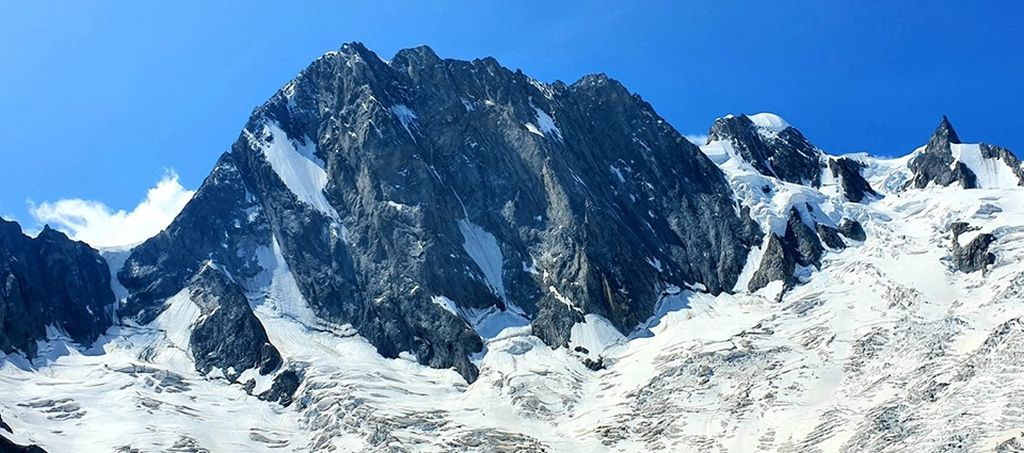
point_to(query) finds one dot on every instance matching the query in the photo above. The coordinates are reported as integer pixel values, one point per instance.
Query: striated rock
(50, 280)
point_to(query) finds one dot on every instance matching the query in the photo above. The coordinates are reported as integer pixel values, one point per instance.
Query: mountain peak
(771, 145)
(421, 55)
(945, 132)
(361, 169)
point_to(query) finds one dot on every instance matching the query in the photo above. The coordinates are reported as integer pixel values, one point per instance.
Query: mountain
(428, 203)
(771, 146)
(425, 254)
(946, 160)
(50, 283)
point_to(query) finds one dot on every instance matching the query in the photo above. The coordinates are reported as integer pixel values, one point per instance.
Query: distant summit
(945, 160)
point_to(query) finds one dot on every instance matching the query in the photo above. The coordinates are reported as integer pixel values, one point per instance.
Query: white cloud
(697, 139)
(95, 223)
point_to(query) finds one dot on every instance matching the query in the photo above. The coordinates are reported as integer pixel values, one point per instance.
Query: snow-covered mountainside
(435, 255)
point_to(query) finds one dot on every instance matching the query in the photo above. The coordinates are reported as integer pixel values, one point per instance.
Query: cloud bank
(99, 226)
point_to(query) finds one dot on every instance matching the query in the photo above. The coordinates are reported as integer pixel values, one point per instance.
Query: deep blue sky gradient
(96, 101)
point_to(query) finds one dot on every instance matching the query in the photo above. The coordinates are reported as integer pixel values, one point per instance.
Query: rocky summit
(428, 254)
(411, 195)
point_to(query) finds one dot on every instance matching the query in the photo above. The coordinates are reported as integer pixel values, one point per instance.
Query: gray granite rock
(227, 334)
(830, 237)
(458, 179)
(852, 229)
(778, 263)
(1007, 157)
(802, 238)
(937, 164)
(848, 173)
(800, 245)
(284, 387)
(784, 154)
(974, 256)
(50, 280)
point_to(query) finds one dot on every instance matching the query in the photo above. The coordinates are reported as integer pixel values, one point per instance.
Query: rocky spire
(936, 163)
(944, 135)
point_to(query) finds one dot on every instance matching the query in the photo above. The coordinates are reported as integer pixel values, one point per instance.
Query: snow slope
(992, 173)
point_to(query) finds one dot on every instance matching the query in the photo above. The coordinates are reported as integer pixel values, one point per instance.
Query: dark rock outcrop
(848, 173)
(222, 223)
(778, 263)
(800, 245)
(458, 179)
(975, 255)
(6, 446)
(852, 229)
(939, 165)
(803, 240)
(936, 163)
(830, 237)
(284, 387)
(785, 154)
(227, 334)
(50, 280)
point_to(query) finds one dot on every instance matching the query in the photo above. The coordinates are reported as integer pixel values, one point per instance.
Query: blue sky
(100, 100)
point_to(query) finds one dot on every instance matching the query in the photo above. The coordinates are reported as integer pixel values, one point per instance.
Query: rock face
(975, 255)
(830, 237)
(223, 223)
(227, 335)
(284, 387)
(778, 263)
(800, 245)
(937, 164)
(388, 186)
(50, 280)
(771, 146)
(945, 160)
(1005, 156)
(848, 173)
(852, 229)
